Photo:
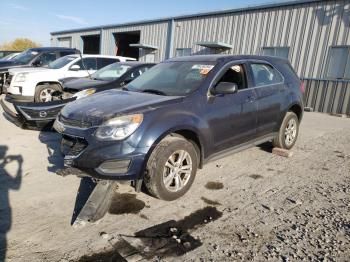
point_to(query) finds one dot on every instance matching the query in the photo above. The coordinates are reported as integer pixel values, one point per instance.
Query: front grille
(73, 122)
(42, 113)
(72, 146)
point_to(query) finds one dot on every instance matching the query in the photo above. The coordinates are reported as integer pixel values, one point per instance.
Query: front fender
(171, 121)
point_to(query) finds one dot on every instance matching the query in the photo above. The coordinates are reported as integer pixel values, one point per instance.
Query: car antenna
(82, 63)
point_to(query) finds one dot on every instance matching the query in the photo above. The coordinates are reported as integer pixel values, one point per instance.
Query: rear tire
(288, 133)
(43, 92)
(171, 168)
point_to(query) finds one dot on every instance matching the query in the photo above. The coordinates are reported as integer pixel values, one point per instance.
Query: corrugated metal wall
(327, 96)
(308, 29)
(76, 41)
(152, 34)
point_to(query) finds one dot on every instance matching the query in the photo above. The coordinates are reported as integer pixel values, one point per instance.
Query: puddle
(211, 202)
(214, 185)
(255, 176)
(168, 239)
(126, 204)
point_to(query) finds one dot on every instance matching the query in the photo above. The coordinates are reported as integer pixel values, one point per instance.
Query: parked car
(6, 53)
(40, 115)
(33, 57)
(10, 56)
(179, 115)
(38, 84)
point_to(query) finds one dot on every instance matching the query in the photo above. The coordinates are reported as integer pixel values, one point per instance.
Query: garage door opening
(91, 44)
(123, 41)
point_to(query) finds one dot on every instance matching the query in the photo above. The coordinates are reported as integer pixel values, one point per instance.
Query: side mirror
(75, 68)
(224, 88)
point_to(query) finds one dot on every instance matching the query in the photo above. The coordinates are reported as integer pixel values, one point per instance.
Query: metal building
(313, 34)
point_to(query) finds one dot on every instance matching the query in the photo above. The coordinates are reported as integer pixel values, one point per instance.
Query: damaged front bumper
(33, 115)
(106, 160)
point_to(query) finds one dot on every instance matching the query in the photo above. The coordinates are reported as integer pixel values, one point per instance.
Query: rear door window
(265, 74)
(89, 63)
(102, 62)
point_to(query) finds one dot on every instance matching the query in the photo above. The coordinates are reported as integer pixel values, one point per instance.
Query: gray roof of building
(166, 19)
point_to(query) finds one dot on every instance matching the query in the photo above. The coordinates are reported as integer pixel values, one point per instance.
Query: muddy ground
(249, 206)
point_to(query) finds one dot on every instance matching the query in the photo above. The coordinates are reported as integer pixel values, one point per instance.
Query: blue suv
(179, 115)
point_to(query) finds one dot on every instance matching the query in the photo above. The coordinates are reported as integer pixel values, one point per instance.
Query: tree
(19, 44)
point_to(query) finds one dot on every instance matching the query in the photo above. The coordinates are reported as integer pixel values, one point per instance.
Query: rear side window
(102, 62)
(264, 74)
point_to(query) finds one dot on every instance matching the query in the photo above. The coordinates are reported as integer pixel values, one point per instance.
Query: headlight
(119, 128)
(85, 93)
(21, 77)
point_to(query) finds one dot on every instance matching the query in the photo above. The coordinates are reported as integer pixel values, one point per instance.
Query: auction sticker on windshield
(204, 69)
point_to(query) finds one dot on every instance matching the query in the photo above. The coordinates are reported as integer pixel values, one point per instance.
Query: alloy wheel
(177, 171)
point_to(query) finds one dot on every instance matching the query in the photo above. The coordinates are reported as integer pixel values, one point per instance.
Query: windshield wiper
(154, 91)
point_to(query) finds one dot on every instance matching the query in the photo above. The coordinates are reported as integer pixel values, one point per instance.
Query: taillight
(302, 87)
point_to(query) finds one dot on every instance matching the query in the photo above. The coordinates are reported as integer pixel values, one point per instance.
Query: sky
(35, 19)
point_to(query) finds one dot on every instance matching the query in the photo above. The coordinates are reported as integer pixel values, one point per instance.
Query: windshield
(172, 78)
(25, 57)
(111, 72)
(61, 62)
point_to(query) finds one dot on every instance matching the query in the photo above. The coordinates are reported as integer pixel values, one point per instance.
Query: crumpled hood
(97, 108)
(83, 83)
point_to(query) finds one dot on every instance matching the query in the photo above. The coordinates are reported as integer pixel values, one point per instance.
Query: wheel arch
(48, 82)
(296, 109)
(187, 133)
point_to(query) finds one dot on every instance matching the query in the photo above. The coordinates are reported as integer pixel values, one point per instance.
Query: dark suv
(179, 115)
(33, 57)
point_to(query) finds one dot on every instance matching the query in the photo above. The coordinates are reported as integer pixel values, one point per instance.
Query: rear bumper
(32, 115)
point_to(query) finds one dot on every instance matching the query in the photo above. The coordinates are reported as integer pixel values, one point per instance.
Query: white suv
(37, 84)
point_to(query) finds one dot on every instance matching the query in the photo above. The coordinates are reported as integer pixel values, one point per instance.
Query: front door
(232, 117)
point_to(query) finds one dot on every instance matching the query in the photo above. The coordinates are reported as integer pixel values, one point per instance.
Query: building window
(183, 52)
(276, 51)
(339, 62)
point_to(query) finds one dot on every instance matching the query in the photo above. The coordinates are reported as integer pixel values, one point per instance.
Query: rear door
(232, 117)
(269, 86)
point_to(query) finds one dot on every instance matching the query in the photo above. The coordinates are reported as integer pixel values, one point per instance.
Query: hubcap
(177, 171)
(291, 132)
(46, 95)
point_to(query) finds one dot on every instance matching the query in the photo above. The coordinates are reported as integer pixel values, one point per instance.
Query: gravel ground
(251, 206)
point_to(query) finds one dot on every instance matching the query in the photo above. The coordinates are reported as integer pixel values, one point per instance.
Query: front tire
(171, 168)
(288, 133)
(43, 92)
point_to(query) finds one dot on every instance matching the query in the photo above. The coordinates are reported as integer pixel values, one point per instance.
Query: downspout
(170, 39)
(101, 41)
